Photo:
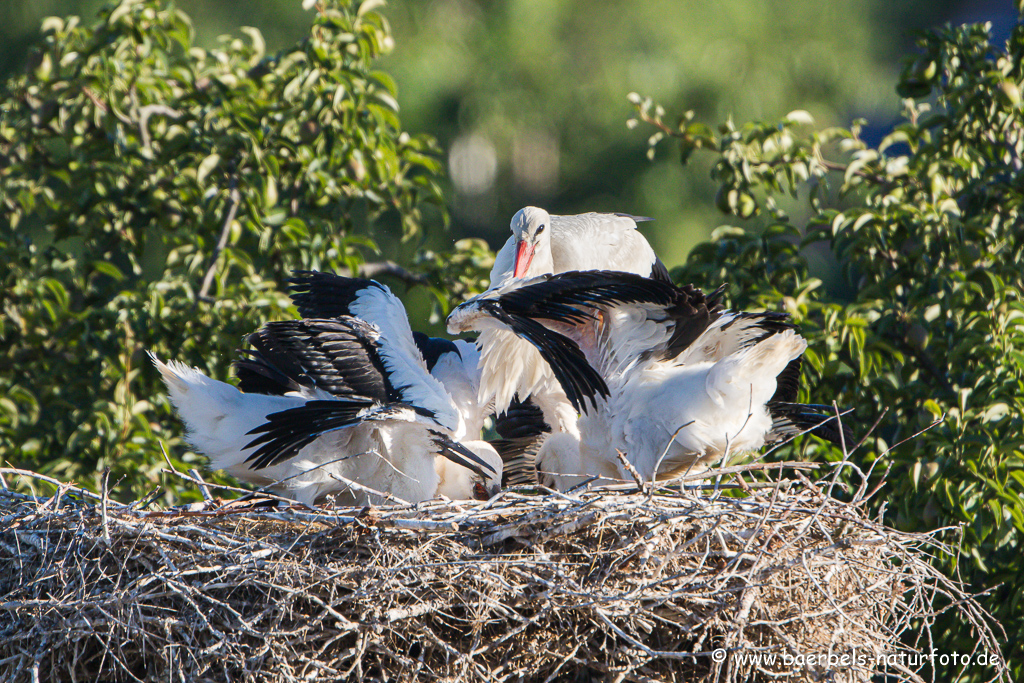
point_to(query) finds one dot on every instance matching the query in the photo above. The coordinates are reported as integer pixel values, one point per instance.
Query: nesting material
(619, 586)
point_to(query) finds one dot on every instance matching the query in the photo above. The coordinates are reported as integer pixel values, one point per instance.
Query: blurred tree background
(527, 98)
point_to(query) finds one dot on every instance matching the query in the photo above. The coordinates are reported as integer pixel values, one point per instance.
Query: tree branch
(376, 268)
(236, 199)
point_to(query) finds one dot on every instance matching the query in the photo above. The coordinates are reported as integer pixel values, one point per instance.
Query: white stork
(660, 373)
(541, 244)
(456, 364)
(327, 402)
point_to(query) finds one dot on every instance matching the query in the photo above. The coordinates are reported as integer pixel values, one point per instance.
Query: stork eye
(480, 491)
(540, 229)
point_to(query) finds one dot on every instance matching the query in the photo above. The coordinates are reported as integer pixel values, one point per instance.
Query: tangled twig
(651, 585)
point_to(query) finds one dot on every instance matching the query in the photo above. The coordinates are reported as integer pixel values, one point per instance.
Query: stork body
(542, 243)
(220, 420)
(660, 373)
(337, 406)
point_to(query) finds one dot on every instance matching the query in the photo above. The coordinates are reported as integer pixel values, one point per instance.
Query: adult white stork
(541, 244)
(325, 403)
(457, 365)
(659, 372)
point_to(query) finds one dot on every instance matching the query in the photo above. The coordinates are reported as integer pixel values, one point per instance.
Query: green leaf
(206, 167)
(107, 268)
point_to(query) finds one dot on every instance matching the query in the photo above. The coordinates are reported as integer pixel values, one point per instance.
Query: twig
(226, 487)
(375, 269)
(642, 586)
(661, 458)
(77, 490)
(103, 506)
(203, 488)
(147, 501)
(631, 469)
(235, 199)
(750, 467)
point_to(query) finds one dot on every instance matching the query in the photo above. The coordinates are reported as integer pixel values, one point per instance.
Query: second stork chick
(661, 373)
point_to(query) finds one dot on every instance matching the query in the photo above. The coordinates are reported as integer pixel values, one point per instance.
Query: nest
(785, 583)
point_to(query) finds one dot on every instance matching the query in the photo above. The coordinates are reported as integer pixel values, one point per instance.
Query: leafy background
(158, 182)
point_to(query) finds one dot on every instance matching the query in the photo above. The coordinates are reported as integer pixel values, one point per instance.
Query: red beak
(524, 254)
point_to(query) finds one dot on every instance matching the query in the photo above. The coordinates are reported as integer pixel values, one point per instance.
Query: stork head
(460, 483)
(531, 228)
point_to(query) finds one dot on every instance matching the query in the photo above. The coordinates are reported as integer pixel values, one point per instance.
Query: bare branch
(375, 269)
(235, 199)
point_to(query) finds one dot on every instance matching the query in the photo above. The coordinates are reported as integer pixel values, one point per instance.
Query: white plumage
(719, 407)
(456, 364)
(541, 244)
(219, 420)
(328, 402)
(458, 370)
(669, 379)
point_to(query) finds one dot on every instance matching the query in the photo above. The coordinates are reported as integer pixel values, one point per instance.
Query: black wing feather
(693, 313)
(559, 297)
(659, 271)
(285, 433)
(340, 356)
(325, 295)
(521, 419)
(788, 382)
(578, 379)
(432, 348)
(257, 375)
(519, 456)
(789, 419)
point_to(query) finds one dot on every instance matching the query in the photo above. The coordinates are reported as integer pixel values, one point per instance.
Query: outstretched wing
(615, 317)
(578, 379)
(326, 295)
(329, 295)
(644, 317)
(285, 433)
(618, 316)
(565, 297)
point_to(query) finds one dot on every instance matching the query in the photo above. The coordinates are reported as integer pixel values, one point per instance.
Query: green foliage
(456, 275)
(927, 230)
(538, 87)
(153, 195)
(538, 84)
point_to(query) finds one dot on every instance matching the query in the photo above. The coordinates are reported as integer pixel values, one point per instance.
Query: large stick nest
(618, 586)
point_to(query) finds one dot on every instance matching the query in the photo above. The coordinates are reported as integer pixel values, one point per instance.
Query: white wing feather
(401, 356)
